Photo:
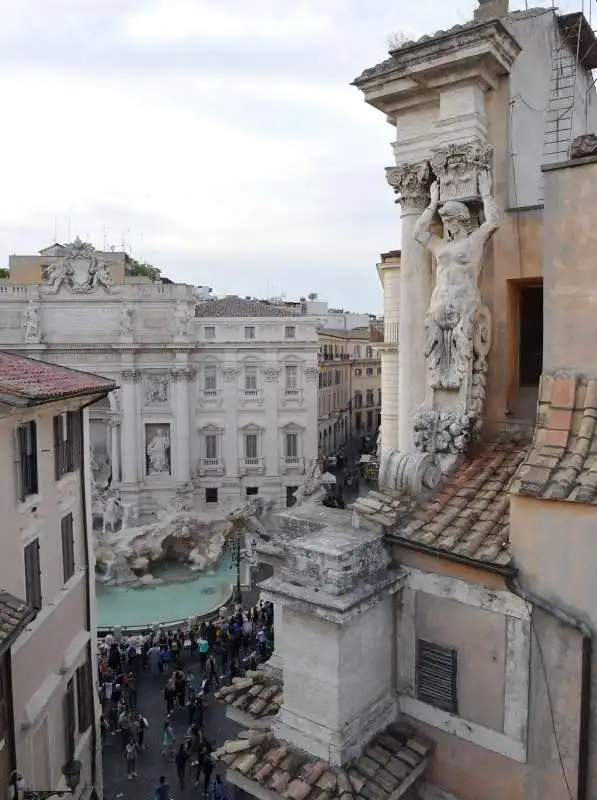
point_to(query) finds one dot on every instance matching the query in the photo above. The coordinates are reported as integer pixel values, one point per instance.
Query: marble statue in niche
(32, 323)
(156, 389)
(126, 322)
(181, 322)
(157, 449)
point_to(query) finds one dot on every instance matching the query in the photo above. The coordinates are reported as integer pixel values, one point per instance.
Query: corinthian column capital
(411, 183)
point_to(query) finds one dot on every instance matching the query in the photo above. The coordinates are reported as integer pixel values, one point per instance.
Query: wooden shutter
(437, 676)
(76, 434)
(70, 720)
(33, 574)
(57, 422)
(18, 460)
(68, 547)
(84, 696)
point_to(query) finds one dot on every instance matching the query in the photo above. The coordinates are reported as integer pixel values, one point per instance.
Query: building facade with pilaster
(217, 397)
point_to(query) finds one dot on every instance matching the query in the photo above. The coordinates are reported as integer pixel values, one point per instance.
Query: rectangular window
(249, 332)
(379, 397)
(209, 332)
(211, 445)
(70, 719)
(251, 445)
(210, 376)
(290, 332)
(291, 496)
(291, 445)
(33, 574)
(437, 676)
(358, 420)
(369, 420)
(27, 459)
(64, 460)
(211, 495)
(379, 370)
(251, 379)
(291, 376)
(370, 400)
(358, 400)
(369, 371)
(251, 490)
(68, 547)
(84, 696)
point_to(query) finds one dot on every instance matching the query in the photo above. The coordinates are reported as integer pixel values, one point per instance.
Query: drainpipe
(585, 686)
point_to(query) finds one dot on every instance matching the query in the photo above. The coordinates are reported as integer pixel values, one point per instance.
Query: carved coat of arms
(80, 268)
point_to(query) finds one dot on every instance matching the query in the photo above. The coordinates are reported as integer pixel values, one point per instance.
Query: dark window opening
(70, 719)
(251, 490)
(211, 495)
(66, 444)
(84, 696)
(437, 676)
(530, 338)
(291, 496)
(27, 459)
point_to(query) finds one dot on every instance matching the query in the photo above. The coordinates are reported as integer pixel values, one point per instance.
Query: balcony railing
(252, 466)
(210, 397)
(251, 397)
(292, 464)
(292, 396)
(211, 466)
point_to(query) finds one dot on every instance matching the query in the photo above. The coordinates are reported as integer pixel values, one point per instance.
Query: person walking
(180, 759)
(130, 753)
(142, 726)
(219, 789)
(162, 790)
(168, 740)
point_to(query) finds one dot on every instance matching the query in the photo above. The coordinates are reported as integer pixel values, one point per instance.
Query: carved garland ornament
(230, 374)
(311, 373)
(131, 375)
(271, 374)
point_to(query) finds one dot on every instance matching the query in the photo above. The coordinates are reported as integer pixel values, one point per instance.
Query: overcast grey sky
(219, 138)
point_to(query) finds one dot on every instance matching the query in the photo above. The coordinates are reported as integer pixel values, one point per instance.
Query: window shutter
(437, 676)
(84, 696)
(76, 434)
(18, 461)
(70, 722)
(57, 441)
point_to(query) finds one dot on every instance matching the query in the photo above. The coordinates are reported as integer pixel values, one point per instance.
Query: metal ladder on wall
(560, 111)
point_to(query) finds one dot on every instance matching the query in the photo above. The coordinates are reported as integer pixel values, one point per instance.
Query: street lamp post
(238, 556)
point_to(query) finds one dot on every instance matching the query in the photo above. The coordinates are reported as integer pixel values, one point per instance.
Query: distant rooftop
(31, 382)
(233, 306)
(15, 615)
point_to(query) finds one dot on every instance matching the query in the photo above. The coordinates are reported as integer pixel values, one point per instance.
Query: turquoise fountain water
(183, 594)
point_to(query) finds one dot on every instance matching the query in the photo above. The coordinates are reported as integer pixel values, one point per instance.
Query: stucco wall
(480, 639)
(570, 288)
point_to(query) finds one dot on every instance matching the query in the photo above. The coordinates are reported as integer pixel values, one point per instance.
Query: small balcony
(292, 396)
(211, 466)
(251, 398)
(252, 466)
(210, 397)
(292, 464)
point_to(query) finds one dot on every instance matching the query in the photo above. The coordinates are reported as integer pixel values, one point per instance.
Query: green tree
(134, 267)
(3, 272)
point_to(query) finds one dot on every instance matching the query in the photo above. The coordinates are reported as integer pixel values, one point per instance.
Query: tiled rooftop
(38, 381)
(468, 516)
(390, 766)
(253, 694)
(15, 615)
(562, 461)
(233, 306)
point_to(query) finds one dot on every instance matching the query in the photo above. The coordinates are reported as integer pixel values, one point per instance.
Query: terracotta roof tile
(254, 694)
(233, 306)
(38, 381)
(391, 764)
(562, 461)
(469, 514)
(15, 615)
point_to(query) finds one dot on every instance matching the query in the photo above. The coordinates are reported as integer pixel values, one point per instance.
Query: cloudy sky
(219, 138)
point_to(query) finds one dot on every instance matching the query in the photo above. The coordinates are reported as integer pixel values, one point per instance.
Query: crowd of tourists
(192, 661)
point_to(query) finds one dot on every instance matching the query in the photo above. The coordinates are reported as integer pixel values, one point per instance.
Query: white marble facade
(226, 405)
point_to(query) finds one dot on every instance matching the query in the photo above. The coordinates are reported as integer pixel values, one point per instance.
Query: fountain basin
(180, 594)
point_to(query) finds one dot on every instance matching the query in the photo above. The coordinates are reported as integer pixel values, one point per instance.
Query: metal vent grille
(437, 676)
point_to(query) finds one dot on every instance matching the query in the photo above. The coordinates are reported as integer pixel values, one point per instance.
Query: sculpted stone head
(456, 218)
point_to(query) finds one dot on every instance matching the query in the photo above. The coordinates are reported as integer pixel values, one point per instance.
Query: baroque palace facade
(217, 396)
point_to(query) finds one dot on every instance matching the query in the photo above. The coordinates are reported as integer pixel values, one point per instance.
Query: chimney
(491, 9)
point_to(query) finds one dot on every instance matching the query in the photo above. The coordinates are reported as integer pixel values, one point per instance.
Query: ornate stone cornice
(133, 375)
(457, 166)
(230, 373)
(411, 183)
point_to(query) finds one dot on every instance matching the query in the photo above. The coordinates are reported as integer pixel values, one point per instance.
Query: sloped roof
(467, 518)
(561, 463)
(15, 615)
(31, 381)
(390, 765)
(253, 694)
(233, 306)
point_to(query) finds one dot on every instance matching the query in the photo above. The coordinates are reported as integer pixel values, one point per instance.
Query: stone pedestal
(336, 592)
(130, 424)
(410, 182)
